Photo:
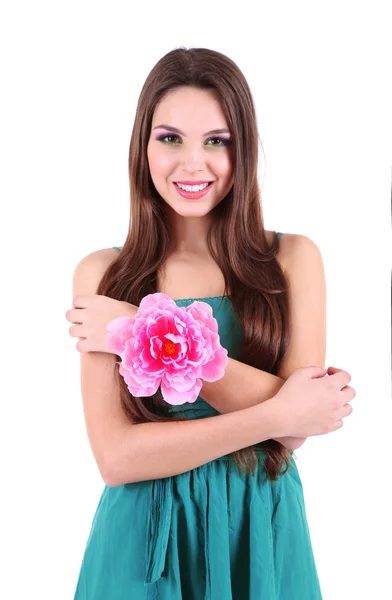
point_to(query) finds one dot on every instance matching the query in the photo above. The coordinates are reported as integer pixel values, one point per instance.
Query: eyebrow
(175, 130)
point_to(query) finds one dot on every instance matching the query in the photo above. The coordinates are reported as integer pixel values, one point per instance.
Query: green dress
(212, 533)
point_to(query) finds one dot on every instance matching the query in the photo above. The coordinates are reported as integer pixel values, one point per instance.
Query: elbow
(107, 473)
(291, 443)
(112, 478)
(109, 478)
(115, 462)
(299, 443)
(109, 470)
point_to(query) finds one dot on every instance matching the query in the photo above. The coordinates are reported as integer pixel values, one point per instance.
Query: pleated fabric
(212, 533)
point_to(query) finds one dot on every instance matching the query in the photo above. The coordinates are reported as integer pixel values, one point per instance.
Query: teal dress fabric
(212, 533)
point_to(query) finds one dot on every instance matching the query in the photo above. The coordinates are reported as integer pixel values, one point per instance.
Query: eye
(164, 138)
(223, 141)
(170, 138)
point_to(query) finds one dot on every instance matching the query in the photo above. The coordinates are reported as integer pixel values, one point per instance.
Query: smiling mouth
(193, 195)
(177, 183)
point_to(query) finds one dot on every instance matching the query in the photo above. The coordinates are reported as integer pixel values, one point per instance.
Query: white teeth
(192, 188)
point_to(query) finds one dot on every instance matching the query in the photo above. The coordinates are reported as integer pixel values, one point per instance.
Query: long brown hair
(251, 271)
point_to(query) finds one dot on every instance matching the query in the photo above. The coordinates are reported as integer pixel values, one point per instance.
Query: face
(184, 147)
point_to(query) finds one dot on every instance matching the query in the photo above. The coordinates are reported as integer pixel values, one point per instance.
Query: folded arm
(242, 385)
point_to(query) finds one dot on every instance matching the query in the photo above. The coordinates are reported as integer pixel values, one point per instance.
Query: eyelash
(225, 141)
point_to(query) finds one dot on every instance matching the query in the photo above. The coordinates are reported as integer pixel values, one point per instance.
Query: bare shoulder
(104, 257)
(91, 268)
(295, 249)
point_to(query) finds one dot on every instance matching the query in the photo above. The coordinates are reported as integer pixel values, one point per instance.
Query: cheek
(224, 167)
(160, 163)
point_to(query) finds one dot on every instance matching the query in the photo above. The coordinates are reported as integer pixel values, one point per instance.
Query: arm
(227, 394)
(303, 266)
(127, 452)
(243, 386)
(154, 450)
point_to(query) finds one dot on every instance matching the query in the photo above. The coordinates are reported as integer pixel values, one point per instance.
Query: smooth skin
(191, 156)
(307, 404)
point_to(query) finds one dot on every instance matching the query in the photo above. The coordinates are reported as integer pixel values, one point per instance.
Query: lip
(194, 182)
(193, 195)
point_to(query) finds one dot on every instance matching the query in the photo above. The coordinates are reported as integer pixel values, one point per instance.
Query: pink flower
(169, 346)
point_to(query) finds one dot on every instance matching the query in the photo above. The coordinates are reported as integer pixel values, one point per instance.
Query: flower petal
(137, 389)
(175, 397)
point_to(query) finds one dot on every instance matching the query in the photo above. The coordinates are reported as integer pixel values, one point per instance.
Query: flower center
(169, 347)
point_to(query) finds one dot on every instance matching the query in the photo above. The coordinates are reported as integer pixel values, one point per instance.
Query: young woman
(203, 501)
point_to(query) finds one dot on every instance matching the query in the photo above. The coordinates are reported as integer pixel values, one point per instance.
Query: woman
(203, 501)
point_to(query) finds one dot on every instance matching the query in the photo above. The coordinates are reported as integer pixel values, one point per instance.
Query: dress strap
(279, 234)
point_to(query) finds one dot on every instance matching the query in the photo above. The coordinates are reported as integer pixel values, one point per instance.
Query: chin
(201, 212)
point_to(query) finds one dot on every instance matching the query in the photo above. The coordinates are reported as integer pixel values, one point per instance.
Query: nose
(193, 159)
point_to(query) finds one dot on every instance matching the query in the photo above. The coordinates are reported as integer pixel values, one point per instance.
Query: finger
(348, 393)
(333, 370)
(338, 424)
(335, 425)
(82, 301)
(74, 315)
(310, 372)
(345, 411)
(81, 346)
(341, 377)
(76, 331)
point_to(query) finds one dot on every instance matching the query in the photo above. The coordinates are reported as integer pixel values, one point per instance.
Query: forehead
(190, 109)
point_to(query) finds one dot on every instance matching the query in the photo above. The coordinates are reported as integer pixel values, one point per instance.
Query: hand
(311, 404)
(91, 314)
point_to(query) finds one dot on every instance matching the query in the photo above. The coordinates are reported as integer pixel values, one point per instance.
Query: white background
(71, 73)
